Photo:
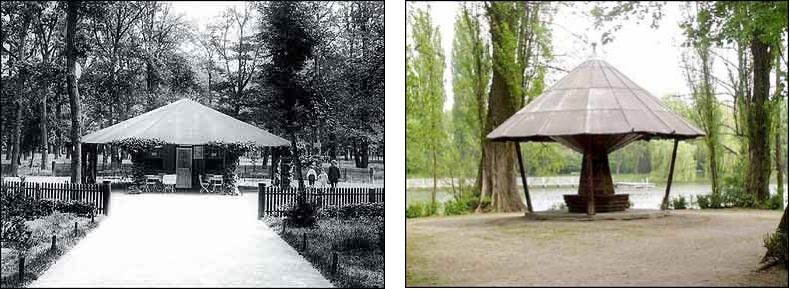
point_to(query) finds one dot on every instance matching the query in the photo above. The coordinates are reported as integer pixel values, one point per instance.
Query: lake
(544, 198)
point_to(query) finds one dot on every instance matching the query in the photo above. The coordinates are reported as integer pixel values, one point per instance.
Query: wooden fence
(271, 199)
(96, 194)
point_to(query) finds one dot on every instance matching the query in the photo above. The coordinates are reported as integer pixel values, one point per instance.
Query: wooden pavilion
(595, 109)
(186, 130)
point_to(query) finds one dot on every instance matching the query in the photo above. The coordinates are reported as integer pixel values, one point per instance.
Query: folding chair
(203, 184)
(169, 181)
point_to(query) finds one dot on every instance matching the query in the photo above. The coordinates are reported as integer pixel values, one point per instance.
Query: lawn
(358, 242)
(40, 256)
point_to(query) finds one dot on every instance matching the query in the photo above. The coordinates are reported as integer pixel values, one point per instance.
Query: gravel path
(156, 240)
(688, 248)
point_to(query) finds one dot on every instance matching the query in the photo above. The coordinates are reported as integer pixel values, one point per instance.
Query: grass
(40, 256)
(356, 242)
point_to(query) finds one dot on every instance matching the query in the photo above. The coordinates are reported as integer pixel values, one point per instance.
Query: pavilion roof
(594, 99)
(186, 122)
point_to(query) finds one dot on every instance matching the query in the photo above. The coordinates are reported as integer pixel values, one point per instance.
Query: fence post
(21, 270)
(371, 195)
(333, 269)
(304, 242)
(105, 191)
(261, 188)
(53, 168)
(38, 191)
(54, 242)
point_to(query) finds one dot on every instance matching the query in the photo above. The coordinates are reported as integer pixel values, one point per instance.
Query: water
(544, 198)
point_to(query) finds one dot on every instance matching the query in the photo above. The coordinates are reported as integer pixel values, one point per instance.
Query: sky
(650, 57)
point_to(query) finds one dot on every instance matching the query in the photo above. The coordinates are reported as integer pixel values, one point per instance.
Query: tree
(471, 68)
(289, 45)
(517, 36)
(236, 45)
(21, 16)
(426, 101)
(706, 106)
(74, 94)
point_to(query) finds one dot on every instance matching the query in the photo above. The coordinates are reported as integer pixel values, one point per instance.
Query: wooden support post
(75, 228)
(54, 242)
(590, 187)
(665, 202)
(523, 176)
(304, 242)
(261, 188)
(105, 188)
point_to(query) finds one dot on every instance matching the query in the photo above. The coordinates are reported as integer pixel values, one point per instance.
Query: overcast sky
(650, 57)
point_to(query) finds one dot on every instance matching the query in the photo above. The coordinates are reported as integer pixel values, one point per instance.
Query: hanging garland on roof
(136, 147)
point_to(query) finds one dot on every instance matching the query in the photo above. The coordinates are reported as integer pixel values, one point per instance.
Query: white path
(155, 240)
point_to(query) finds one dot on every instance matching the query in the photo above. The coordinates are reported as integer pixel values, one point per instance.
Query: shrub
(775, 202)
(710, 201)
(462, 204)
(14, 233)
(421, 210)
(351, 211)
(679, 203)
(344, 235)
(414, 211)
(776, 243)
(300, 214)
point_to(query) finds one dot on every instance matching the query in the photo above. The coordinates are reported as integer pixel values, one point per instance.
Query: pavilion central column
(602, 177)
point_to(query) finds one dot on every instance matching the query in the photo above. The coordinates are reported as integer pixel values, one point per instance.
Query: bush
(775, 202)
(351, 211)
(300, 214)
(421, 210)
(14, 233)
(679, 203)
(710, 201)
(776, 243)
(462, 204)
(343, 235)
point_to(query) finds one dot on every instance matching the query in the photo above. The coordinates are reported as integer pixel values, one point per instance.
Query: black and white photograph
(596, 144)
(192, 144)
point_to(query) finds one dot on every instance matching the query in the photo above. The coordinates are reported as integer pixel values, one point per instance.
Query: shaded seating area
(595, 110)
(182, 146)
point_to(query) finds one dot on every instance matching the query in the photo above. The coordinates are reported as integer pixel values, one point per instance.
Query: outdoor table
(169, 181)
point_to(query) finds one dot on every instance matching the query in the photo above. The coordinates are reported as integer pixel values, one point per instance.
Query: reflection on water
(544, 198)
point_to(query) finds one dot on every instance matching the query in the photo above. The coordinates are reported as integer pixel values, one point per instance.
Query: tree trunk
(74, 94)
(20, 82)
(759, 122)
(302, 198)
(499, 163)
(44, 132)
(361, 156)
(17, 133)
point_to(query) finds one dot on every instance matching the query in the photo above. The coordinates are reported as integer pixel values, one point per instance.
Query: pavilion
(595, 109)
(186, 130)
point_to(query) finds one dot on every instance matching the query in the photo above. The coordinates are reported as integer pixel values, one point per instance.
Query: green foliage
(463, 203)
(679, 203)
(425, 134)
(776, 245)
(775, 202)
(421, 210)
(471, 68)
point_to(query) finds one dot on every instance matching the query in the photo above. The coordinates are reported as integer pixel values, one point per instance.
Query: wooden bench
(603, 203)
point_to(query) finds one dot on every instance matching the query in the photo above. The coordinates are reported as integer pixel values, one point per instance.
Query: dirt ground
(688, 248)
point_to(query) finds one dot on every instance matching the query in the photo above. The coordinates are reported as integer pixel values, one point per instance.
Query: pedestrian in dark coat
(334, 174)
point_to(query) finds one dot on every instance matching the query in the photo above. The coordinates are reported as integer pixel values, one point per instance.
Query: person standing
(334, 174)
(311, 176)
(323, 179)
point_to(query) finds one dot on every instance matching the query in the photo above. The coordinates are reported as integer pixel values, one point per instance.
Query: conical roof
(186, 122)
(594, 99)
